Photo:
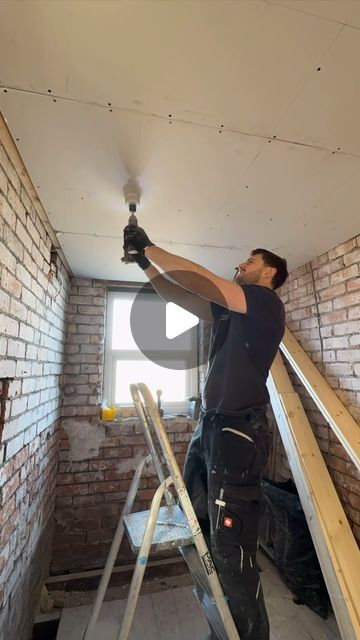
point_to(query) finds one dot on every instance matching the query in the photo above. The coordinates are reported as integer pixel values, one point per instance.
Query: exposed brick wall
(337, 290)
(32, 322)
(97, 460)
(93, 482)
(84, 350)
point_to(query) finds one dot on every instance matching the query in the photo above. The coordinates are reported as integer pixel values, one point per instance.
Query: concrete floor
(173, 614)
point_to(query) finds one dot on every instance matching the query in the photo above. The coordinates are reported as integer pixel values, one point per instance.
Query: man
(231, 443)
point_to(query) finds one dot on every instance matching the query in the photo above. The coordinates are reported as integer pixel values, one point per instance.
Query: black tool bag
(294, 551)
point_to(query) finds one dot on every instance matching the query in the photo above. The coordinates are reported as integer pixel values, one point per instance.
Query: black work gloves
(141, 260)
(137, 238)
(135, 242)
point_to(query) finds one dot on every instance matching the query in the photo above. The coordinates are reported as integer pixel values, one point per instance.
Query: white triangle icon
(178, 320)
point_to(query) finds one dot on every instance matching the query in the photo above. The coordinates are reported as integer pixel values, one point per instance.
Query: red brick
(354, 500)
(353, 285)
(117, 452)
(349, 300)
(356, 531)
(101, 465)
(104, 487)
(332, 292)
(342, 249)
(65, 478)
(81, 526)
(70, 538)
(101, 535)
(88, 476)
(345, 274)
(73, 490)
(10, 487)
(83, 501)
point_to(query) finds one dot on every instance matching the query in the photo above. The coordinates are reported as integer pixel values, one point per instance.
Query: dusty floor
(167, 610)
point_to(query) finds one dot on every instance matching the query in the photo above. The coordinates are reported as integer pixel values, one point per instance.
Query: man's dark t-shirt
(242, 348)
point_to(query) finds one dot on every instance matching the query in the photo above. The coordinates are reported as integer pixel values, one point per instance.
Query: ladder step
(171, 531)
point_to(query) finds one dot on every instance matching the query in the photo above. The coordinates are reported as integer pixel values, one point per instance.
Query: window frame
(112, 356)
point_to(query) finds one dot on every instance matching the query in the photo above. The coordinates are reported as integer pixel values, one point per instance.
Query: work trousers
(225, 459)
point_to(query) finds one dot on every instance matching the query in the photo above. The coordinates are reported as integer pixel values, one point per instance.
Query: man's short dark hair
(272, 260)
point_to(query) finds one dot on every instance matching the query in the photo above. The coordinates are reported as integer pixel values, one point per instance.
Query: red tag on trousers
(228, 522)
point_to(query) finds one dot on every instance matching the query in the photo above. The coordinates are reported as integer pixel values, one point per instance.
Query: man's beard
(252, 277)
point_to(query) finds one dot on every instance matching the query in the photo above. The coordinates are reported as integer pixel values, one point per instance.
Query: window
(125, 363)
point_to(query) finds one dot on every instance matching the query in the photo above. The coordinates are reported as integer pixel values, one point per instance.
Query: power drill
(127, 257)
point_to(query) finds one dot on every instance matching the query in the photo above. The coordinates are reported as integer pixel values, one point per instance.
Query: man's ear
(270, 272)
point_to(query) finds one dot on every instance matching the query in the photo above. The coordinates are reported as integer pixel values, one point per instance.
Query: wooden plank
(193, 623)
(92, 573)
(166, 616)
(144, 625)
(333, 539)
(341, 421)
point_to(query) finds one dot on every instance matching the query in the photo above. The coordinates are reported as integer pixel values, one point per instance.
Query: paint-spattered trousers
(223, 465)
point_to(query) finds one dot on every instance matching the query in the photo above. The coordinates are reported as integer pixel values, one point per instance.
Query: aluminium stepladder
(163, 528)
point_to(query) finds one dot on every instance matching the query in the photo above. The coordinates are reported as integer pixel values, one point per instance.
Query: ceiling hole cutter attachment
(132, 201)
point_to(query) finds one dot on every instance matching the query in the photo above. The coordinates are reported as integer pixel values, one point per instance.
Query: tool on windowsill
(132, 200)
(159, 394)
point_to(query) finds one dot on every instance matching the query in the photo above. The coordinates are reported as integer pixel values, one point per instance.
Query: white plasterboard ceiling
(262, 147)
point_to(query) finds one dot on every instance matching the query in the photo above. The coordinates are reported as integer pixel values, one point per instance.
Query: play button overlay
(178, 320)
(166, 333)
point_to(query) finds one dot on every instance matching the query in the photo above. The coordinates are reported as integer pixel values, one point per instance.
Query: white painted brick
(7, 368)
(355, 341)
(31, 352)
(18, 406)
(30, 434)
(23, 275)
(3, 345)
(10, 283)
(24, 236)
(37, 290)
(28, 385)
(28, 298)
(26, 332)
(33, 320)
(345, 328)
(36, 368)
(44, 354)
(23, 369)
(18, 310)
(37, 257)
(33, 232)
(11, 429)
(15, 445)
(12, 242)
(348, 355)
(12, 174)
(4, 301)
(30, 264)
(336, 343)
(33, 400)
(6, 212)
(44, 395)
(45, 250)
(41, 383)
(14, 389)
(16, 348)
(3, 181)
(9, 326)
(7, 258)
